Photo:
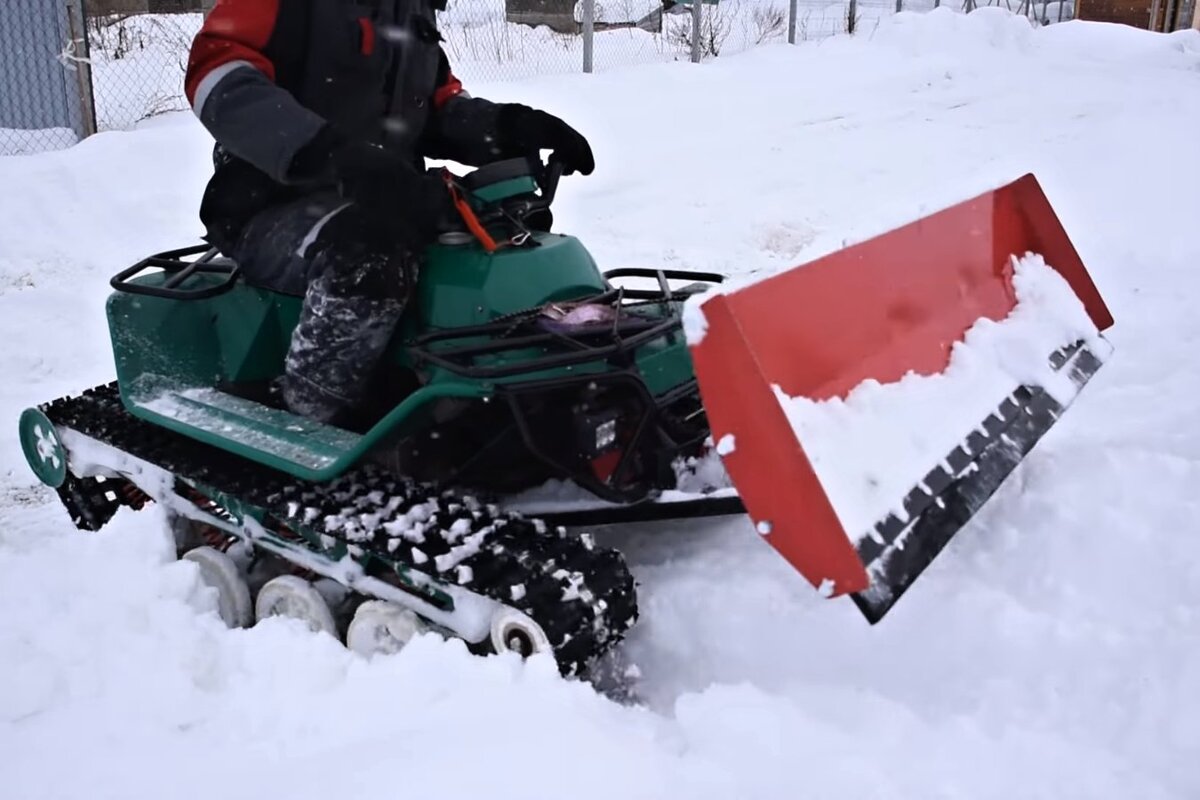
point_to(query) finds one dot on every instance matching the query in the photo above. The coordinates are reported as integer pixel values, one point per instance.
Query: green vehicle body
(171, 354)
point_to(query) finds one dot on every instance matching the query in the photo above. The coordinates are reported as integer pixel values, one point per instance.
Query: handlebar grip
(550, 178)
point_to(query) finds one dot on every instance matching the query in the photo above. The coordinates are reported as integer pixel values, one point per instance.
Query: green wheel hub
(43, 448)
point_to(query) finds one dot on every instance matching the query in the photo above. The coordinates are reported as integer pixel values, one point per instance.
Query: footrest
(241, 426)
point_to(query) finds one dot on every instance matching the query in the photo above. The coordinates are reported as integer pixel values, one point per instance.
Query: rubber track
(582, 596)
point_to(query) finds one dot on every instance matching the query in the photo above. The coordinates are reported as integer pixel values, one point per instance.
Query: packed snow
(1050, 652)
(870, 448)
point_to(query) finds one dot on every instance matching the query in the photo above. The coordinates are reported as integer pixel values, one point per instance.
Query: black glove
(389, 192)
(526, 130)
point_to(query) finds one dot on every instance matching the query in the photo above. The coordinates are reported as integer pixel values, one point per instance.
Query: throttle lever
(550, 177)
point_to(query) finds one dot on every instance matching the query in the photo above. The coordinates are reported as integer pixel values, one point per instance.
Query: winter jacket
(264, 76)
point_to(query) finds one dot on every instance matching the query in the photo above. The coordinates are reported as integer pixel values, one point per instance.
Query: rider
(323, 112)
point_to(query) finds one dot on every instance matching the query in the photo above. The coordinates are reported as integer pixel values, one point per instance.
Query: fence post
(589, 32)
(696, 11)
(77, 28)
(793, 8)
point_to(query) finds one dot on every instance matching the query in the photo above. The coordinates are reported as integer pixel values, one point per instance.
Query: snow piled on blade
(872, 447)
(695, 324)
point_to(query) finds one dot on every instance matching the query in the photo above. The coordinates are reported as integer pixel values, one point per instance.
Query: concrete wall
(558, 15)
(97, 8)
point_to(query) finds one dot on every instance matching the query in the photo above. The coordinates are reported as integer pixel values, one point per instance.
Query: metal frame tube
(589, 32)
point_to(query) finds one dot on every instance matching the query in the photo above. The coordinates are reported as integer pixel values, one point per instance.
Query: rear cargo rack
(174, 264)
(458, 350)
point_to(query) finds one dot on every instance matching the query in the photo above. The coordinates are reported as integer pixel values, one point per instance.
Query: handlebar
(511, 211)
(547, 179)
(549, 183)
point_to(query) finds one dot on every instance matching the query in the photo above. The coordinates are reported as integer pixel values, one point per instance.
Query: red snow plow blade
(878, 310)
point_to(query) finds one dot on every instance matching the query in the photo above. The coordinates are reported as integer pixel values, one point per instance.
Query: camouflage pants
(355, 284)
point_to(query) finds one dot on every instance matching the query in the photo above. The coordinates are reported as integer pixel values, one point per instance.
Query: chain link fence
(138, 63)
(126, 62)
(496, 40)
(500, 40)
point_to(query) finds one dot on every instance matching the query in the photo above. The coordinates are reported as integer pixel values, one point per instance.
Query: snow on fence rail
(137, 61)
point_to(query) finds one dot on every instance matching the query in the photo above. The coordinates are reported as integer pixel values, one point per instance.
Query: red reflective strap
(368, 36)
(452, 87)
(468, 215)
(603, 466)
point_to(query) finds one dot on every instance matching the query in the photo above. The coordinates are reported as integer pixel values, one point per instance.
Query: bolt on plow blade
(868, 404)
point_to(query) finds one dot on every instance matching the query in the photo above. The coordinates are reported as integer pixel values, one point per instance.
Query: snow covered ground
(1051, 651)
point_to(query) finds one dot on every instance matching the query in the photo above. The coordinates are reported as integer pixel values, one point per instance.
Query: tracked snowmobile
(519, 365)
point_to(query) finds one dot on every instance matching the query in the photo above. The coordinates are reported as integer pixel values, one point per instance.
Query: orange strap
(468, 215)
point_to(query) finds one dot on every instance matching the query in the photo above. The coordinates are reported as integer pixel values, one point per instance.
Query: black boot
(349, 315)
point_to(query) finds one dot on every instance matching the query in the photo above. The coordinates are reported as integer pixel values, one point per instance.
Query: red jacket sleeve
(233, 32)
(230, 84)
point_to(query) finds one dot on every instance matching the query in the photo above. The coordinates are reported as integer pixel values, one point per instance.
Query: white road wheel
(218, 571)
(382, 627)
(186, 532)
(515, 632)
(292, 596)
